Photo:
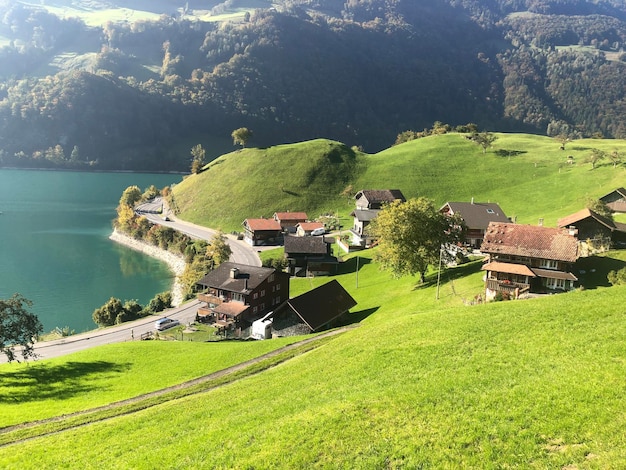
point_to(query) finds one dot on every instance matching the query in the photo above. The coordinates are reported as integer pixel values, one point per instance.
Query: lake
(54, 246)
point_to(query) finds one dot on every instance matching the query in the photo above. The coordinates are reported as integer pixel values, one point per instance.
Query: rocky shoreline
(175, 263)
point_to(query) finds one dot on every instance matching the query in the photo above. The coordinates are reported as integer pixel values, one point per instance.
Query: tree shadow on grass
(450, 274)
(509, 152)
(356, 317)
(592, 271)
(61, 382)
(350, 266)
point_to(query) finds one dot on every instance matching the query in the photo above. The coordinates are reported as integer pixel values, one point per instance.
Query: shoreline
(175, 263)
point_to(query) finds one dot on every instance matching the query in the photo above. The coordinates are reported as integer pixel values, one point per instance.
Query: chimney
(573, 231)
(234, 272)
(472, 200)
(541, 222)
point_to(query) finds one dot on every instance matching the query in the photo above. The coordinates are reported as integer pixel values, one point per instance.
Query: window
(555, 283)
(277, 286)
(490, 211)
(548, 264)
(263, 293)
(271, 278)
(255, 309)
(237, 297)
(255, 295)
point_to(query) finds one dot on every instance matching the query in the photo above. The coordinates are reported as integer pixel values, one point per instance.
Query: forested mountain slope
(136, 92)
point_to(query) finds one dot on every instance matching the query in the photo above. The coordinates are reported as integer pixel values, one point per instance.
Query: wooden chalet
(310, 256)
(304, 229)
(289, 220)
(369, 202)
(528, 259)
(595, 232)
(615, 200)
(477, 216)
(262, 232)
(234, 295)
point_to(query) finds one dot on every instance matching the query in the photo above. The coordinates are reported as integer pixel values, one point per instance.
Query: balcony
(211, 299)
(507, 286)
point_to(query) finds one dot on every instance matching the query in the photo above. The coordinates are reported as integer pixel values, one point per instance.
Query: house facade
(234, 295)
(477, 216)
(369, 202)
(525, 259)
(262, 232)
(304, 229)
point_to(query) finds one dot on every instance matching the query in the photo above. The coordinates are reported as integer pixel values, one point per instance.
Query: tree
(18, 327)
(600, 208)
(411, 235)
(131, 196)
(562, 139)
(484, 139)
(218, 250)
(241, 136)
(616, 158)
(107, 314)
(198, 153)
(594, 157)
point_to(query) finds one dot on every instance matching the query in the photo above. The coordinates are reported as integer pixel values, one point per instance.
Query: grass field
(425, 381)
(527, 175)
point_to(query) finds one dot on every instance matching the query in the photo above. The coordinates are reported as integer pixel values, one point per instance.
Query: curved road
(132, 331)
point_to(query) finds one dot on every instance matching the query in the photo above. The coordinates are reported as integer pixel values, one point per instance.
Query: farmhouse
(312, 311)
(595, 232)
(369, 202)
(234, 295)
(616, 200)
(476, 216)
(527, 259)
(304, 229)
(310, 256)
(262, 232)
(289, 220)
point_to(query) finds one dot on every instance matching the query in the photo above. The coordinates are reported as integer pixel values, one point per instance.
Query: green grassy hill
(421, 383)
(527, 175)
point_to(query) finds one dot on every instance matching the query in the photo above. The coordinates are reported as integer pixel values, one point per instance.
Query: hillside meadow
(428, 378)
(421, 383)
(528, 175)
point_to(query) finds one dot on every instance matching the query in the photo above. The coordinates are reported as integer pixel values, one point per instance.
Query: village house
(234, 295)
(262, 232)
(476, 217)
(369, 202)
(305, 229)
(615, 200)
(310, 256)
(525, 259)
(289, 220)
(312, 311)
(595, 232)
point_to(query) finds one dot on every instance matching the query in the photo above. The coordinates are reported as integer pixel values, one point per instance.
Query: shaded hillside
(359, 72)
(529, 176)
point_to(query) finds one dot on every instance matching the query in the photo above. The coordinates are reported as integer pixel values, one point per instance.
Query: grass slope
(536, 384)
(527, 175)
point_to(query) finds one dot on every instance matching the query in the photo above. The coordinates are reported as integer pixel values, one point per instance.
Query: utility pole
(357, 272)
(439, 271)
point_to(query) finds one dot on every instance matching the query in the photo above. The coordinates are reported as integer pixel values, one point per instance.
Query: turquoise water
(54, 246)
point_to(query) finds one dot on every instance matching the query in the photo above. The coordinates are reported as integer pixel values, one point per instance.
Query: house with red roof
(528, 259)
(289, 220)
(305, 229)
(262, 232)
(595, 232)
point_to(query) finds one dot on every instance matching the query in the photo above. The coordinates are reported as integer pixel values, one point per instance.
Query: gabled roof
(530, 241)
(322, 305)
(246, 280)
(620, 191)
(380, 195)
(308, 245)
(290, 216)
(477, 215)
(583, 214)
(309, 226)
(365, 215)
(262, 224)
(509, 268)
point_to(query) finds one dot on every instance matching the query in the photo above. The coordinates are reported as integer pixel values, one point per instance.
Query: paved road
(241, 251)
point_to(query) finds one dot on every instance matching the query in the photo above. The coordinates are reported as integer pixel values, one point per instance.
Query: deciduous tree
(411, 235)
(18, 327)
(198, 154)
(241, 136)
(484, 139)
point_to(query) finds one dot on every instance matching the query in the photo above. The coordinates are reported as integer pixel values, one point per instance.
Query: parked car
(165, 323)
(318, 231)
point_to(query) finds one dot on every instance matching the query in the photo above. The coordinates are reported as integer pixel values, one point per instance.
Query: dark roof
(584, 214)
(310, 245)
(365, 215)
(477, 215)
(530, 241)
(380, 195)
(262, 224)
(322, 304)
(620, 191)
(247, 279)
